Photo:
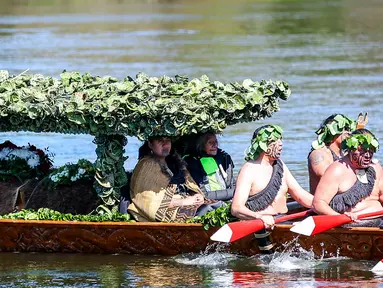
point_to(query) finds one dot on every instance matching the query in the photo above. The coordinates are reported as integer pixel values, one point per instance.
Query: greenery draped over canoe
(112, 109)
(141, 107)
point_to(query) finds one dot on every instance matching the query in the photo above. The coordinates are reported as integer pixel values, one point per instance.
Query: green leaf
(315, 144)
(263, 146)
(332, 127)
(3, 75)
(375, 143)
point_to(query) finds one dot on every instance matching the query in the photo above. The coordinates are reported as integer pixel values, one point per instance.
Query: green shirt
(216, 181)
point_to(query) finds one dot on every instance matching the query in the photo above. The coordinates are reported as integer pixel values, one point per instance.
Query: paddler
(352, 185)
(264, 180)
(327, 147)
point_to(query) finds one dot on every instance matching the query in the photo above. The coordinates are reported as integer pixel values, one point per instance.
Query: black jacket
(200, 177)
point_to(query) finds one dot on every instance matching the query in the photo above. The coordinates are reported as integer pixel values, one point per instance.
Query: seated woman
(211, 168)
(161, 188)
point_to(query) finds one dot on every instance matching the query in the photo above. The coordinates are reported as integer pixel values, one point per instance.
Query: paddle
(378, 266)
(316, 224)
(236, 230)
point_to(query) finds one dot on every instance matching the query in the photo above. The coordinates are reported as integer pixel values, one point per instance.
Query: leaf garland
(48, 214)
(327, 131)
(110, 173)
(260, 143)
(215, 218)
(144, 106)
(366, 141)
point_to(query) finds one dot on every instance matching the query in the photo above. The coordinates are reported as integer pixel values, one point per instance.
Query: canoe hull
(172, 239)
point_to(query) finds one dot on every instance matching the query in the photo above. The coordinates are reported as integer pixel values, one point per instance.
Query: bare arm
(318, 162)
(190, 200)
(176, 203)
(381, 191)
(379, 167)
(302, 196)
(327, 189)
(242, 191)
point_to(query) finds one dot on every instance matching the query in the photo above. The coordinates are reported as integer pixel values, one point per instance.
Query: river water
(330, 52)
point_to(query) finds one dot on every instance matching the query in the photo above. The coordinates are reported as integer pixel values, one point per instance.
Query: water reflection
(73, 270)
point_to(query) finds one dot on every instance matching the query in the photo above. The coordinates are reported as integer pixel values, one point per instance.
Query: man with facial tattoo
(264, 180)
(352, 185)
(326, 149)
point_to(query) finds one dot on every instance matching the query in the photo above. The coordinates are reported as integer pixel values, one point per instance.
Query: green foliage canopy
(142, 107)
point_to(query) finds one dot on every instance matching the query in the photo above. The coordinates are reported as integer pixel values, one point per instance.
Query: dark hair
(256, 131)
(330, 119)
(362, 131)
(174, 161)
(144, 150)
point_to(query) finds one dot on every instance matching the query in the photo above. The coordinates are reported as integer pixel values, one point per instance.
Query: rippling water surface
(330, 52)
(197, 270)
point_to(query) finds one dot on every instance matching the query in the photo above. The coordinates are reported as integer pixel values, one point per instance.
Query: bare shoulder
(318, 156)
(285, 168)
(286, 173)
(248, 172)
(336, 169)
(247, 169)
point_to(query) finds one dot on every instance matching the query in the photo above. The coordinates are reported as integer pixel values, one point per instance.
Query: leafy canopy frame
(111, 110)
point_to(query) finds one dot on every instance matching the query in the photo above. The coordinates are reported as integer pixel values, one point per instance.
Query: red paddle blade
(237, 230)
(316, 224)
(233, 231)
(378, 267)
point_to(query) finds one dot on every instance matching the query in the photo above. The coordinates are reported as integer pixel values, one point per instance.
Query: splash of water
(294, 257)
(213, 255)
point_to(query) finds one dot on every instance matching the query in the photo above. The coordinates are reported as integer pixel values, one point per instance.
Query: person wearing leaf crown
(327, 148)
(264, 180)
(161, 188)
(352, 185)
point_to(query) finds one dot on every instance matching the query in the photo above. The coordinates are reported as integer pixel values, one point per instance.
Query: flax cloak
(151, 194)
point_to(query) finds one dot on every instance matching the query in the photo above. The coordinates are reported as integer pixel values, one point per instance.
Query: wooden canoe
(172, 239)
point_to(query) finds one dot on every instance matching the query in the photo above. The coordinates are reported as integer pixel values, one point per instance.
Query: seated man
(327, 148)
(211, 168)
(264, 180)
(161, 188)
(352, 185)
